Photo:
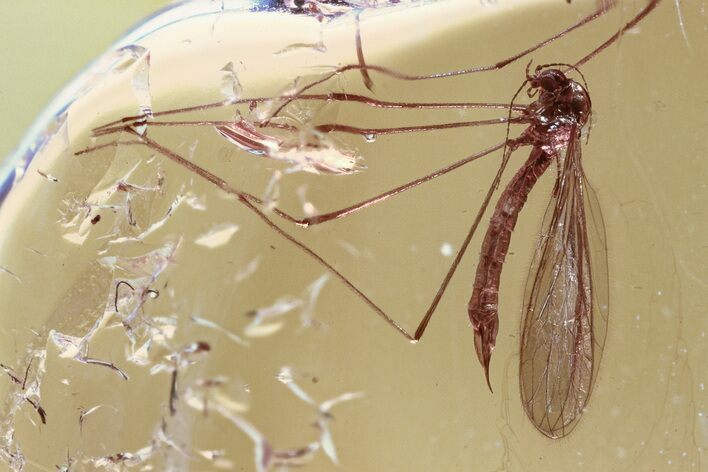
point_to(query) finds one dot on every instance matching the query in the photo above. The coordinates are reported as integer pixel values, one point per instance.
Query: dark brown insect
(566, 308)
(565, 317)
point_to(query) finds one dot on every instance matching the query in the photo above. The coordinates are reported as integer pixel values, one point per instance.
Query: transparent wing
(566, 310)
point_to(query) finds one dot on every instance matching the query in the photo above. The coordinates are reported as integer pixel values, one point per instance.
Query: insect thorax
(561, 110)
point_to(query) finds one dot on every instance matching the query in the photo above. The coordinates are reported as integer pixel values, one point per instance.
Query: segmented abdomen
(483, 305)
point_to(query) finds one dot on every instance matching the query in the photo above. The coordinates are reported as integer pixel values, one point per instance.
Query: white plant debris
(312, 294)
(84, 413)
(175, 361)
(249, 270)
(211, 325)
(48, 176)
(268, 320)
(161, 443)
(76, 348)
(121, 194)
(308, 207)
(230, 85)
(26, 391)
(217, 236)
(7, 271)
(304, 147)
(267, 457)
(125, 302)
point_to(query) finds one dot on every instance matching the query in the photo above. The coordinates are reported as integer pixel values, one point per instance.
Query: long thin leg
(629, 25)
(601, 10)
(327, 127)
(465, 244)
(604, 8)
(333, 215)
(222, 184)
(247, 201)
(360, 57)
(136, 120)
(324, 217)
(509, 147)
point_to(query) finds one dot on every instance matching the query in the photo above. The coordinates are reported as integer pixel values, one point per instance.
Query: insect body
(565, 317)
(561, 341)
(566, 304)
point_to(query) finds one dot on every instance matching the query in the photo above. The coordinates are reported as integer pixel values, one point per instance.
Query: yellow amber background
(426, 407)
